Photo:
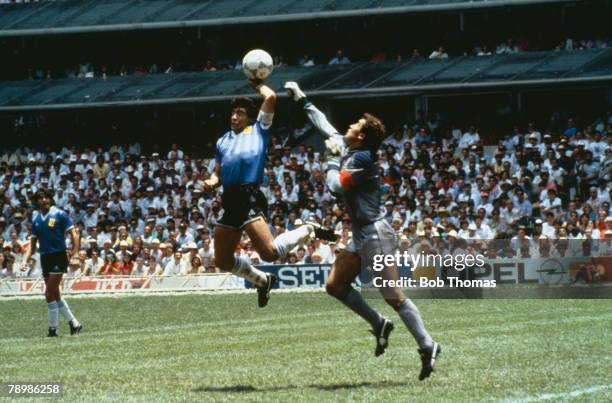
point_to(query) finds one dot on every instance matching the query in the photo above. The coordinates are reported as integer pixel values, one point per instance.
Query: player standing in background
(240, 158)
(355, 178)
(49, 227)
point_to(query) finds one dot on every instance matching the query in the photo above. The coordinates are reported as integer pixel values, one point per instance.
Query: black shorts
(54, 263)
(242, 205)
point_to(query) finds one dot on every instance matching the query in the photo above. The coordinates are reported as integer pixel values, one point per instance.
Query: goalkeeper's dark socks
(357, 304)
(411, 317)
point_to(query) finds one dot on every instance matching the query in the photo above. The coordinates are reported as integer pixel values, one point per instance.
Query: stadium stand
(439, 182)
(88, 15)
(129, 203)
(363, 78)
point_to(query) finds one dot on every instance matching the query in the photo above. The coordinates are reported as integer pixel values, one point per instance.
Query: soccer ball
(257, 64)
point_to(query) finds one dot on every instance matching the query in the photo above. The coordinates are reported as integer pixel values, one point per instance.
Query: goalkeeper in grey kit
(354, 178)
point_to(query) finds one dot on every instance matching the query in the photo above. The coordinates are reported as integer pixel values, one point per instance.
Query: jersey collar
(52, 210)
(234, 134)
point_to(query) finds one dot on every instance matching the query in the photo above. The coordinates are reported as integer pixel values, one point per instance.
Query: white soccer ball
(257, 64)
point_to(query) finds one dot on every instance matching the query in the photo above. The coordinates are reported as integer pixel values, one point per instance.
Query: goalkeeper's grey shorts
(377, 238)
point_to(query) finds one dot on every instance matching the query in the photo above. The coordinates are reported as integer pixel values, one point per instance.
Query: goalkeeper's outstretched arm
(318, 118)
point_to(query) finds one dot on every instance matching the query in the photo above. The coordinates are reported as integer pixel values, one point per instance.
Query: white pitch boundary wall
(124, 284)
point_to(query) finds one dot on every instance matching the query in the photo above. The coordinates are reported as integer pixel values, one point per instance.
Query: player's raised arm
(268, 106)
(318, 118)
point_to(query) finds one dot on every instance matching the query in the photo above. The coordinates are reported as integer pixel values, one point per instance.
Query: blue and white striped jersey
(242, 156)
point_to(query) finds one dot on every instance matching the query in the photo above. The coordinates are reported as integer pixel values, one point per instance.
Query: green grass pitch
(308, 347)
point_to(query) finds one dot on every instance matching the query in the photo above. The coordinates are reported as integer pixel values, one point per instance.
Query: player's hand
(255, 83)
(294, 91)
(334, 146)
(208, 185)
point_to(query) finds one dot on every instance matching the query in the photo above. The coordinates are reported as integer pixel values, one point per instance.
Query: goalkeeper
(354, 178)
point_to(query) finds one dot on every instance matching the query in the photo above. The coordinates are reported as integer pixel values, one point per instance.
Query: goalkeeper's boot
(294, 91)
(428, 359)
(263, 292)
(75, 328)
(321, 232)
(382, 336)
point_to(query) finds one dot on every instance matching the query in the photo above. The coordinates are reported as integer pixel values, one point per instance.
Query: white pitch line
(162, 293)
(550, 396)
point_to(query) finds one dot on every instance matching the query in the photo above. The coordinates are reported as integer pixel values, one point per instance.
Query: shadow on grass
(327, 387)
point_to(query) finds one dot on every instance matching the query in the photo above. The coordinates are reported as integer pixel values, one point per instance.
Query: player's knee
(393, 302)
(268, 253)
(336, 290)
(224, 262)
(51, 295)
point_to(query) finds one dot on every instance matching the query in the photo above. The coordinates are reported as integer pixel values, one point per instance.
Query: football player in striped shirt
(240, 159)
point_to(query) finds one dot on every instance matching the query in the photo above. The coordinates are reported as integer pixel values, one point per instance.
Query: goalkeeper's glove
(333, 162)
(334, 146)
(294, 91)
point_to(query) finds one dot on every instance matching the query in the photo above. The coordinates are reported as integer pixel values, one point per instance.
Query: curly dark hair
(248, 104)
(374, 131)
(40, 193)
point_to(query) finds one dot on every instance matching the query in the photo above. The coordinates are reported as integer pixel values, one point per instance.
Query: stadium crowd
(87, 69)
(146, 214)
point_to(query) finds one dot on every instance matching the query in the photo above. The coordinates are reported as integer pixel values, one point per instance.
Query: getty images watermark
(447, 262)
(478, 268)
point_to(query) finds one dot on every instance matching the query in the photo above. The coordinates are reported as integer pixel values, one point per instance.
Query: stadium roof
(358, 80)
(66, 16)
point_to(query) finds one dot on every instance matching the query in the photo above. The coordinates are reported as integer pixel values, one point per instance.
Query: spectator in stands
(176, 265)
(125, 264)
(207, 255)
(154, 267)
(483, 51)
(209, 66)
(93, 264)
(279, 62)
(340, 58)
(110, 266)
(570, 130)
(469, 138)
(7, 263)
(431, 185)
(139, 269)
(33, 269)
(306, 61)
(439, 53)
(195, 265)
(507, 47)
